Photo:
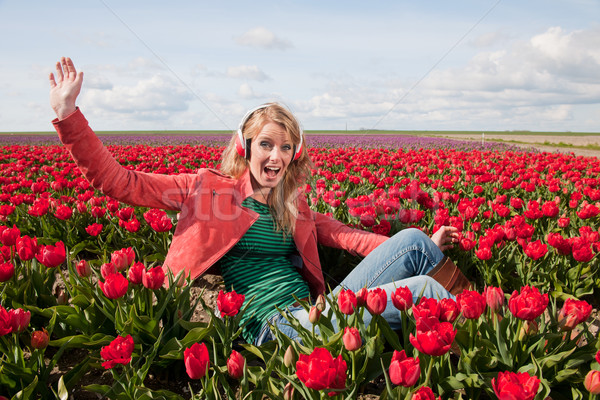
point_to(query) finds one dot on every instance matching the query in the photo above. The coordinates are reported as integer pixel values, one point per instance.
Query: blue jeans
(402, 260)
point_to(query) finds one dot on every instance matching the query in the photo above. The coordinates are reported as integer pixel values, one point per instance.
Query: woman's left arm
(333, 233)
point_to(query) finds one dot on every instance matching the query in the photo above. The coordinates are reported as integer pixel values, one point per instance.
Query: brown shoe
(450, 276)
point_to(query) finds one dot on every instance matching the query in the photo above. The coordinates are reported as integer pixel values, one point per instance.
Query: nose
(276, 154)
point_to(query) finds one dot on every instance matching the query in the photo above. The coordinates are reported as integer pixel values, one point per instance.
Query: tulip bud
(61, 296)
(40, 339)
(320, 304)
(288, 392)
(592, 382)
(289, 357)
(529, 328)
(352, 340)
(83, 269)
(314, 315)
(361, 297)
(235, 365)
(494, 297)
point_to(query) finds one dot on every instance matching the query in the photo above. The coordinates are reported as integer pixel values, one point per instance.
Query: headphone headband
(241, 143)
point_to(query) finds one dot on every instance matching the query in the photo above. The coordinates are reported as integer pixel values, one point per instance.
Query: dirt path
(542, 143)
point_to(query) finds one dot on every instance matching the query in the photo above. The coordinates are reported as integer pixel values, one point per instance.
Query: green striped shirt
(259, 266)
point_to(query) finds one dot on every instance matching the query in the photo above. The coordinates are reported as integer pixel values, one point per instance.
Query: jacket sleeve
(107, 175)
(333, 233)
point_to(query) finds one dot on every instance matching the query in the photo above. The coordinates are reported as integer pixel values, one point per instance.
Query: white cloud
(263, 38)
(536, 83)
(489, 39)
(246, 92)
(157, 94)
(251, 72)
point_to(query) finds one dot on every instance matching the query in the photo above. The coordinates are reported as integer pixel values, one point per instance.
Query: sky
(479, 65)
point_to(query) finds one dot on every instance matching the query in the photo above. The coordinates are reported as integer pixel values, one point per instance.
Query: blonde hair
(282, 199)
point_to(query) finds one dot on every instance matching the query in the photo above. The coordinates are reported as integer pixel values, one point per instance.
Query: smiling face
(271, 152)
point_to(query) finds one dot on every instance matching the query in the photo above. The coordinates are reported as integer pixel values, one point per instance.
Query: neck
(260, 194)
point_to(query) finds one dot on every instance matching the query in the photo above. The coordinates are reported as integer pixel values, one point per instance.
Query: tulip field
(80, 274)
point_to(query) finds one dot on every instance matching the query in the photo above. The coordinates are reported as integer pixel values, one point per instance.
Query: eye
(286, 147)
(265, 144)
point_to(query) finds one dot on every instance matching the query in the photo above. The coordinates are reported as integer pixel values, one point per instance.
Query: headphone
(243, 146)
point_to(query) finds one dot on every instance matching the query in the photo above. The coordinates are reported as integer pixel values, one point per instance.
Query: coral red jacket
(212, 219)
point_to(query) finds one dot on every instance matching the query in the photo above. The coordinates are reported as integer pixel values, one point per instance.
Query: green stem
(353, 355)
(429, 369)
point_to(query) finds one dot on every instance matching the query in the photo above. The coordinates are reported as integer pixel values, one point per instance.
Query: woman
(250, 220)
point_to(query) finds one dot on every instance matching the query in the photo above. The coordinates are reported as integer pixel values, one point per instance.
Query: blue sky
(435, 65)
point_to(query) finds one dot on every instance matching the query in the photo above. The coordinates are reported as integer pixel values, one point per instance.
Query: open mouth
(271, 172)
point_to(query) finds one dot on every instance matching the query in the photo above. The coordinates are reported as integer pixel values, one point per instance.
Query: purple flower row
(313, 140)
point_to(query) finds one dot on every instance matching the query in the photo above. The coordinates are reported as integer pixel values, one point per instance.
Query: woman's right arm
(94, 160)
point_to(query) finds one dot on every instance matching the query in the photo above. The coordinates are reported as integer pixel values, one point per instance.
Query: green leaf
(27, 392)
(63, 393)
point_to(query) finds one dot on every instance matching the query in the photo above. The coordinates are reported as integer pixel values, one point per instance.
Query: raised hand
(65, 88)
(445, 237)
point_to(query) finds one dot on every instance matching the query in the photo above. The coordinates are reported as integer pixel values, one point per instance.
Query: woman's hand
(65, 88)
(445, 237)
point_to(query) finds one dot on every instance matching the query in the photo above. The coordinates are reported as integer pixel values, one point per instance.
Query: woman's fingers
(59, 72)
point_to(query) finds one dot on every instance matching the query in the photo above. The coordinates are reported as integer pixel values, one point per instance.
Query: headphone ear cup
(239, 146)
(298, 152)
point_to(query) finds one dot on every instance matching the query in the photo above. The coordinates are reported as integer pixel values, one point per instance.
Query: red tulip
(424, 393)
(136, 273)
(114, 286)
(376, 301)
(471, 303)
(352, 340)
(63, 212)
(196, 360)
(123, 258)
(592, 382)
(40, 339)
(484, 253)
(536, 250)
(229, 303)
(598, 356)
(529, 304)
(402, 298)
(83, 269)
(5, 322)
(107, 269)
(404, 370)
(153, 278)
(19, 319)
(515, 386)
(346, 301)
(235, 365)
(117, 352)
(427, 307)
(320, 370)
(26, 247)
(361, 297)
(52, 256)
(433, 337)
(449, 310)
(9, 236)
(94, 229)
(7, 271)
(494, 297)
(132, 225)
(573, 313)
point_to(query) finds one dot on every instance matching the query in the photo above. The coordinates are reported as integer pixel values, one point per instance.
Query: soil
(549, 143)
